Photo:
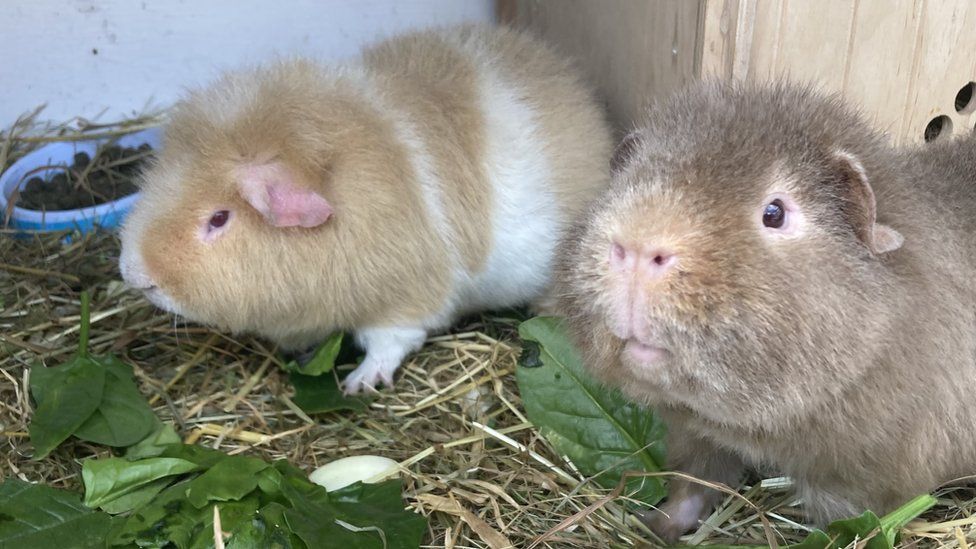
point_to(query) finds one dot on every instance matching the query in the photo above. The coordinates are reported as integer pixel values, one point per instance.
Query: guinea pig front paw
(675, 517)
(367, 376)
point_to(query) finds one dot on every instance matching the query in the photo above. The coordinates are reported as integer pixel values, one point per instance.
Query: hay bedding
(471, 461)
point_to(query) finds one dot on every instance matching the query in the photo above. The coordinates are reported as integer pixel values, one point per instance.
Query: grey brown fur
(849, 369)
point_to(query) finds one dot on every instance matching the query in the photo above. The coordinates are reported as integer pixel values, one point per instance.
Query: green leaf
(302, 493)
(381, 506)
(283, 481)
(316, 385)
(270, 480)
(171, 517)
(66, 397)
(204, 458)
(109, 479)
(323, 360)
(289, 470)
(155, 444)
(897, 519)
(865, 527)
(123, 417)
(601, 432)
(153, 524)
(39, 516)
(137, 498)
(319, 394)
(42, 377)
(878, 533)
(362, 515)
(92, 398)
(228, 480)
(266, 529)
(235, 514)
(197, 531)
(172, 520)
(260, 504)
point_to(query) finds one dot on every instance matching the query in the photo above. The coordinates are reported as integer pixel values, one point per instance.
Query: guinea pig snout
(648, 263)
(636, 276)
(136, 276)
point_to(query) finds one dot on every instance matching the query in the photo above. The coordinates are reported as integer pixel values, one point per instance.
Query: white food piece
(340, 473)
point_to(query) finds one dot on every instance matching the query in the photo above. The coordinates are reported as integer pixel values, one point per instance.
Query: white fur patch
(420, 159)
(525, 219)
(525, 216)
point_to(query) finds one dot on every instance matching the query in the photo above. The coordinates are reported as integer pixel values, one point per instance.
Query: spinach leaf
(600, 431)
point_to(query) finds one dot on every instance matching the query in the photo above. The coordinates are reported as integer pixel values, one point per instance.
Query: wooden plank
(757, 54)
(945, 61)
(801, 40)
(862, 48)
(634, 52)
(720, 19)
(813, 41)
(901, 61)
(880, 59)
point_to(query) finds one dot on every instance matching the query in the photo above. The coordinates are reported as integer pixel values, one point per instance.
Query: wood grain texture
(721, 34)
(945, 61)
(878, 70)
(901, 61)
(633, 50)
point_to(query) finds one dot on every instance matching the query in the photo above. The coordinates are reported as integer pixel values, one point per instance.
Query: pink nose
(652, 263)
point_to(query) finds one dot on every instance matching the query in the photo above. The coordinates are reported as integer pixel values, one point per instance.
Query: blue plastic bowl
(106, 216)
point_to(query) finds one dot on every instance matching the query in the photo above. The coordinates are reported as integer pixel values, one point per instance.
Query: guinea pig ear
(625, 150)
(271, 189)
(877, 237)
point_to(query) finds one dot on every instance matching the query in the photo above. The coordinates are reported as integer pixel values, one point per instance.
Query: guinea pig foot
(386, 348)
(675, 517)
(367, 376)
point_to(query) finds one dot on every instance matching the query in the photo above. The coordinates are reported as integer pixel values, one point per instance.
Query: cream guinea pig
(431, 177)
(788, 291)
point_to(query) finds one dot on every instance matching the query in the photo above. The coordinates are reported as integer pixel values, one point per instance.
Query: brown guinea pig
(788, 290)
(429, 178)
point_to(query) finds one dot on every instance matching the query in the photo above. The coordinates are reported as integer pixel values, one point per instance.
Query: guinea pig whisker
(186, 326)
(176, 328)
(172, 325)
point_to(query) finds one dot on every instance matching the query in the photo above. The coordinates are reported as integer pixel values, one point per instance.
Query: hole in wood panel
(965, 103)
(940, 126)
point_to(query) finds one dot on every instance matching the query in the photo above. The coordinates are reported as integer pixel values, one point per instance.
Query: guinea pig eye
(774, 214)
(218, 219)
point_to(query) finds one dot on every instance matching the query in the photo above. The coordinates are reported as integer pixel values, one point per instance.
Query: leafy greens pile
(162, 493)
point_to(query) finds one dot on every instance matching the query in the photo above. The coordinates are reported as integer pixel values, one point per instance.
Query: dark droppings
(87, 181)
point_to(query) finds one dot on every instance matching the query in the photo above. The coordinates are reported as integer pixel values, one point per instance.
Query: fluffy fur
(833, 355)
(452, 161)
